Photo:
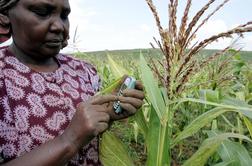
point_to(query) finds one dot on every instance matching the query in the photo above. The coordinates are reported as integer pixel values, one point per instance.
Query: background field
(238, 85)
(134, 54)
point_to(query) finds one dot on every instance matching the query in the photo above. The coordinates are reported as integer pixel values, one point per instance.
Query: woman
(48, 112)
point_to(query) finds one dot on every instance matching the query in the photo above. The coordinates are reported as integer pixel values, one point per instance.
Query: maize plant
(168, 83)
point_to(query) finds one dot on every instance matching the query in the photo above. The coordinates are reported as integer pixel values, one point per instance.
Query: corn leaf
(208, 148)
(111, 88)
(202, 120)
(235, 151)
(248, 124)
(141, 122)
(113, 152)
(244, 107)
(210, 95)
(117, 70)
(232, 151)
(157, 142)
(153, 91)
(227, 163)
(228, 104)
(198, 123)
(111, 149)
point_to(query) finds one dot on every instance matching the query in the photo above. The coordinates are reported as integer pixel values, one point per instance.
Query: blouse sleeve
(8, 132)
(93, 76)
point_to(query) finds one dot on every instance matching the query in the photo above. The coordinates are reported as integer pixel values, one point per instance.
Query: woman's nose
(57, 25)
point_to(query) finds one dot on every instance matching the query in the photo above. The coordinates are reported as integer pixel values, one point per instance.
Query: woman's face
(39, 27)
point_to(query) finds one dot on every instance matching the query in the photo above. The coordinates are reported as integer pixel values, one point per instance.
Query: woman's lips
(54, 43)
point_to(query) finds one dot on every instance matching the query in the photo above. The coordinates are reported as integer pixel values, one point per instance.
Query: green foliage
(208, 148)
(232, 152)
(153, 91)
(171, 131)
(199, 123)
(116, 69)
(116, 153)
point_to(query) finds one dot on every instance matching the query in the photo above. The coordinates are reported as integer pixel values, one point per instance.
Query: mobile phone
(129, 83)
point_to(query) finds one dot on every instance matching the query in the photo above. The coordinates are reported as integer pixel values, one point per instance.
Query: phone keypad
(128, 83)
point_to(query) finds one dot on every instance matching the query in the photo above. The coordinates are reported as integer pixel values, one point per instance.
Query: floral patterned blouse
(36, 106)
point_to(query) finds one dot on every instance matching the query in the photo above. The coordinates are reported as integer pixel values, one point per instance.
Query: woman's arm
(57, 151)
(91, 118)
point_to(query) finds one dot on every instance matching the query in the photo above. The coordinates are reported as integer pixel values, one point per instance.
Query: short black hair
(5, 5)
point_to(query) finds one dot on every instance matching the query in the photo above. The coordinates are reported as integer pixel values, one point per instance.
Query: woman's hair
(5, 5)
(5, 29)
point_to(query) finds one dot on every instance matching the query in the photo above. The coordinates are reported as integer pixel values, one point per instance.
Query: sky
(129, 24)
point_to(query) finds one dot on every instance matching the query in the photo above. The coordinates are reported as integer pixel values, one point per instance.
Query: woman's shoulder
(82, 68)
(3, 51)
(76, 63)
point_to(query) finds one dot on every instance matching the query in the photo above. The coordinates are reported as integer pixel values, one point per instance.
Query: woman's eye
(64, 15)
(41, 12)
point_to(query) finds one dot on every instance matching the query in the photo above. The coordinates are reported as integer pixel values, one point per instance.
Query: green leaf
(250, 87)
(240, 105)
(113, 152)
(239, 152)
(227, 103)
(153, 91)
(232, 151)
(164, 94)
(198, 123)
(202, 120)
(117, 70)
(227, 163)
(141, 122)
(210, 95)
(157, 142)
(230, 103)
(208, 148)
(239, 126)
(248, 124)
(110, 88)
(106, 71)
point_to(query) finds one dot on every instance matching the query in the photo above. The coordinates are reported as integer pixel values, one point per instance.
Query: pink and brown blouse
(36, 107)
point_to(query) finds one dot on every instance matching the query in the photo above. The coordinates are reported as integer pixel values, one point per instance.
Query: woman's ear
(4, 28)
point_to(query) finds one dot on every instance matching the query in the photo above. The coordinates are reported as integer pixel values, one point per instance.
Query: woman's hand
(130, 101)
(91, 118)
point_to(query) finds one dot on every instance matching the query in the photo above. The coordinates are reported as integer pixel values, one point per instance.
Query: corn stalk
(180, 50)
(173, 72)
(168, 80)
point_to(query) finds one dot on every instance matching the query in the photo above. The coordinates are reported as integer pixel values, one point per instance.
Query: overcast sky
(128, 24)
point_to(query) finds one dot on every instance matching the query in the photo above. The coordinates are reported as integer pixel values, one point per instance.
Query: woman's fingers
(129, 108)
(103, 99)
(133, 93)
(104, 117)
(101, 127)
(139, 85)
(135, 102)
(130, 101)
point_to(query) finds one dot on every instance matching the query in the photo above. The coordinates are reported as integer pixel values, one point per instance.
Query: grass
(148, 52)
